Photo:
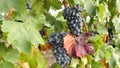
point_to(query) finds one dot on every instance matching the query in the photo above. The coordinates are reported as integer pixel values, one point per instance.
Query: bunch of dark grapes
(42, 32)
(111, 34)
(1, 34)
(56, 40)
(74, 18)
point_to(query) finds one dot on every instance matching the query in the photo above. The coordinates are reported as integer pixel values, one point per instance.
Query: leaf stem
(10, 13)
(86, 28)
(64, 2)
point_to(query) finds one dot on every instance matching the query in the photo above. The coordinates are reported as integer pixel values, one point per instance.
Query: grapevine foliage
(82, 34)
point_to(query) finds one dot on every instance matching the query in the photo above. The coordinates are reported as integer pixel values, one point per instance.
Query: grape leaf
(18, 5)
(80, 51)
(97, 41)
(74, 63)
(90, 8)
(55, 65)
(116, 24)
(5, 64)
(37, 5)
(69, 43)
(9, 54)
(89, 48)
(78, 47)
(97, 65)
(53, 22)
(56, 4)
(39, 58)
(101, 28)
(118, 4)
(82, 47)
(102, 10)
(22, 35)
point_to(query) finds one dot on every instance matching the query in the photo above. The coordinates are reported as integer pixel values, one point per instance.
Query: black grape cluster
(1, 34)
(56, 40)
(111, 34)
(42, 32)
(74, 18)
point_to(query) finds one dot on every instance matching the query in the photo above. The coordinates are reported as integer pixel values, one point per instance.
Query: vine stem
(45, 32)
(10, 13)
(86, 28)
(64, 2)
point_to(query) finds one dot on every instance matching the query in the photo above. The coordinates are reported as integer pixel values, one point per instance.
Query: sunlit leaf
(102, 11)
(97, 65)
(18, 5)
(22, 35)
(9, 54)
(5, 64)
(116, 23)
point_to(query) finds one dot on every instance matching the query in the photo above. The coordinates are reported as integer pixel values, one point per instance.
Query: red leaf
(89, 48)
(78, 47)
(69, 42)
(83, 48)
(80, 51)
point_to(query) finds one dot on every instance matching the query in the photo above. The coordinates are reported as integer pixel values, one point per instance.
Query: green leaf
(116, 24)
(118, 4)
(97, 65)
(22, 35)
(24, 57)
(38, 6)
(106, 52)
(97, 41)
(71, 2)
(101, 28)
(90, 8)
(46, 5)
(118, 43)
(4, 64)
(81, 64)
(32, 62)
(74, 63)
(53, 22)
(9, 54)
(112, 62)
(79, 1)
(18, 5)
(56, 4)
(55, 65)
(102, 10)
(39, 58)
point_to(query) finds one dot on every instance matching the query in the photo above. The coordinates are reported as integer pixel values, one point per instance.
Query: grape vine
(59, 33)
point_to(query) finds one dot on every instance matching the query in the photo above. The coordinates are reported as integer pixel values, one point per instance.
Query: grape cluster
(1, 34)
(42, 32)
(110, 32)
(56, 40)
(74, 18)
